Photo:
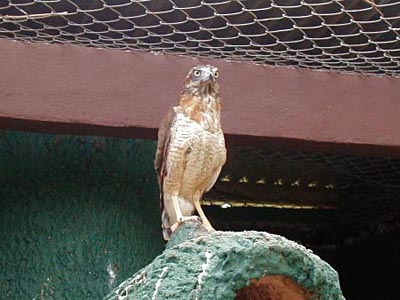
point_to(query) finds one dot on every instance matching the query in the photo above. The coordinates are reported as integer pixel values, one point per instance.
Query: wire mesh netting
(360, 36)
(305, 179)
(362, 193)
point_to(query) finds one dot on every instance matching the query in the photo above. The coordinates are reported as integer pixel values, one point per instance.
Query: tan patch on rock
(275, 287)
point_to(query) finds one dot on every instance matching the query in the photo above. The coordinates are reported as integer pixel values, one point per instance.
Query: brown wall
(79, 90)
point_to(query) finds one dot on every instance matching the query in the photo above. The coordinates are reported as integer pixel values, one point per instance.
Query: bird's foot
(182, 220)
(209, 227)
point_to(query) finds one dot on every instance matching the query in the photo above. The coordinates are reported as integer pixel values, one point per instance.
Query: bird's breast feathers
(187, 133)
(203, 151)
(185, 129)
(203, 110)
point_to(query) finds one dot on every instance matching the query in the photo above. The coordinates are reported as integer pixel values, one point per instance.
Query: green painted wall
(78, 215)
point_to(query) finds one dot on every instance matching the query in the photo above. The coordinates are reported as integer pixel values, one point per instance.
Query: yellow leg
(203, 217)
(179, 216)
(177, 208)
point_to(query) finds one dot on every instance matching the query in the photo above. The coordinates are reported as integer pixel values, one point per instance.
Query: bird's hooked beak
(211, 77)
(208, 78)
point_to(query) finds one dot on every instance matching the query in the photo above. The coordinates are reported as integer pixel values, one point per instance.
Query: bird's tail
(166, 225)
(165, 219)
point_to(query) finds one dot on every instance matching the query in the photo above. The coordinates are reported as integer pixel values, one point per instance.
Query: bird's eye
(197, 73)
(216, 74)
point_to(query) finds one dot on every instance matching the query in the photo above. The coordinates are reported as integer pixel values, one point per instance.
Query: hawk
(191, 149)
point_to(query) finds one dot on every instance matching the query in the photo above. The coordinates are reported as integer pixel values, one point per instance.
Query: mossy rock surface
(214, 266)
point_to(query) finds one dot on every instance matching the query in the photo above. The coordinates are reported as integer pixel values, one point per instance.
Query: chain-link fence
(361, 36)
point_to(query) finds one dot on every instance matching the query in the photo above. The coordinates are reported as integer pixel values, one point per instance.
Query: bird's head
(202, 81)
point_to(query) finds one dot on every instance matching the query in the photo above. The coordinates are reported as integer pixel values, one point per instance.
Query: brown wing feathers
(164, 137)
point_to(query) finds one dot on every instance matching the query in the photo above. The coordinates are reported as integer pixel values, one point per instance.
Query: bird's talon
(209, 228)
(182, 220)
(175, 226)
(189, 219)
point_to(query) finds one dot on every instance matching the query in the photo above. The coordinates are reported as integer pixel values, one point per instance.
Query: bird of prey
(191, 150)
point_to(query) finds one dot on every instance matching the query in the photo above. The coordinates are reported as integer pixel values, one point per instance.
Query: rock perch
(249, 265)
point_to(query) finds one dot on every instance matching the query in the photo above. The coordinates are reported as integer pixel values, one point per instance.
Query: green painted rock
(231, 265)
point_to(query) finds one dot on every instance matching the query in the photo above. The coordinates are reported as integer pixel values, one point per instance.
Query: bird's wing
(218, 164)
(164, 139)
(213, 179)
(160, 164)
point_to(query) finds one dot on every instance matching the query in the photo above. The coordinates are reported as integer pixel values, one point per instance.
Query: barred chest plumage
(205, 155)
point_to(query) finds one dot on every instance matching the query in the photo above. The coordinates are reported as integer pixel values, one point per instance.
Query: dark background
(78, 215)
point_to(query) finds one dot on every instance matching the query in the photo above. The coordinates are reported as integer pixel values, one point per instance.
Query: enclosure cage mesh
(360, 36)
(358, 194)
(269, 166)
(357, 36)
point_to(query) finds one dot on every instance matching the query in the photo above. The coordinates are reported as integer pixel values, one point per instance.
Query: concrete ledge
(79, 90)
